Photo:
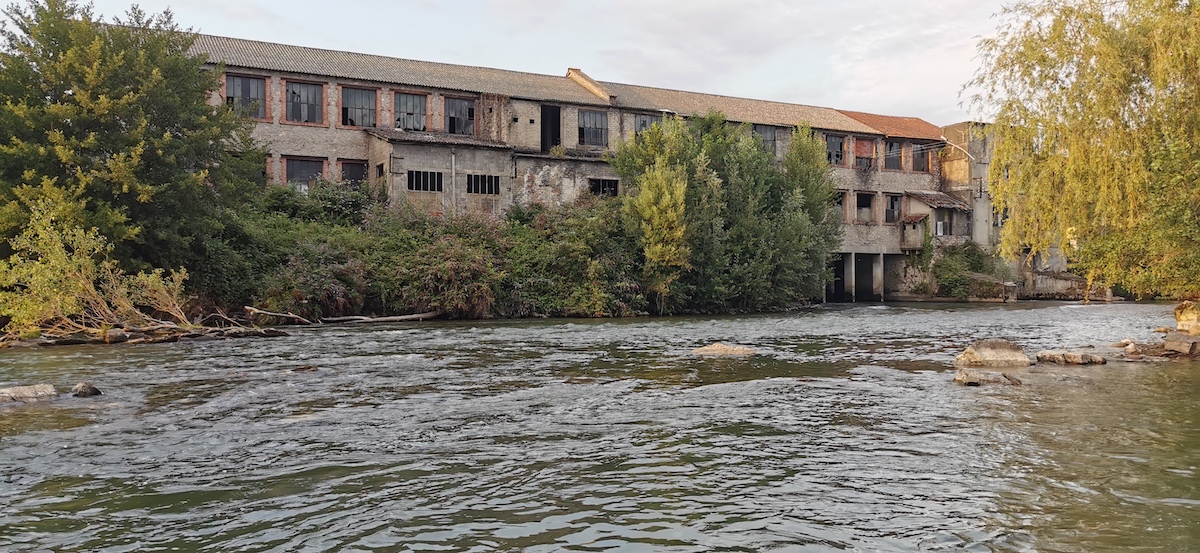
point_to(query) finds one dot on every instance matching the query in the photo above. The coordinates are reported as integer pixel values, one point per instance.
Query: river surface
(844, 434)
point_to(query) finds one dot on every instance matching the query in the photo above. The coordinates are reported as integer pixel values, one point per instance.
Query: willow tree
(1096, 106)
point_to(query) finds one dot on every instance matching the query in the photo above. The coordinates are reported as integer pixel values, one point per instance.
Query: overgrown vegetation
(965, 270)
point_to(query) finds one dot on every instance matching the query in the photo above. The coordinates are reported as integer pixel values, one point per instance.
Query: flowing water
(844, 434)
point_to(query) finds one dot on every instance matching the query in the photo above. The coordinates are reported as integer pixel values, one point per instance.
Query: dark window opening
(483, 184)
(425, 181)
(603, 187)
(410, 111)
(379, 170)
(865, 202)
(892, 213)
(354, 171)
(835, 149)
(644, 122)
(893, 157)
(304, 102)
(766, 134)
(840, 197)
(358, 107)
(460, 116)
(864, 153)
(551, 127)
(593, 128)
(301, 173)
(920, 158)
(944, 226)
(247, 95)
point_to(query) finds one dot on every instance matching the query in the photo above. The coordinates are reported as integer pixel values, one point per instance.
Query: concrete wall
(556, 181)
(455, 163)
(967, 160)
(877, 236)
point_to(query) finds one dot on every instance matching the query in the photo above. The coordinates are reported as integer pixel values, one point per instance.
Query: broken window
(354, 171)
(892, 213)
(304, 102)
(483, 184)
(864, 153)
(460, 116)
(865, 203)
(893, 157)
(944, 226)
(766, 134)
(643, 122)
(410, 111)
(920, 158)
(593, 128)
(247, 95)
(603, 187)
(358, 107)
(835, 149)
(425, 181)
(301, 173)
(379, 170)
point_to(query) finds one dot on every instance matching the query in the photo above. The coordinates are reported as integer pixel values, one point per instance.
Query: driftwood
(354, 319)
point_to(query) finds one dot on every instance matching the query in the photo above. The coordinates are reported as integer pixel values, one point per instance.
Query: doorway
(551, 127)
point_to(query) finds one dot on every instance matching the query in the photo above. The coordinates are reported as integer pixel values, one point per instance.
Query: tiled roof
(901, 127)
(736, 109)
(938, 199)
(236, 52)
(400, 135)
(913, 219)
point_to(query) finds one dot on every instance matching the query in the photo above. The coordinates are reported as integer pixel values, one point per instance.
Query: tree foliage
(754, 234)
(114, 119)
(1097, 124)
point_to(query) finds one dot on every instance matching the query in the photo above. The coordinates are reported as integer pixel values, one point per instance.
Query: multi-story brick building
(452, 138)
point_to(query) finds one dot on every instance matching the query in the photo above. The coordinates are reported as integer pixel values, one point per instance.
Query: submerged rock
(28, 393)
(723, 350)
(976, 377)
(1070, 358)
(85, 389)
(992, 352)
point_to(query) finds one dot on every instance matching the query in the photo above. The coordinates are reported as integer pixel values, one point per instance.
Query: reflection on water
(844, 434)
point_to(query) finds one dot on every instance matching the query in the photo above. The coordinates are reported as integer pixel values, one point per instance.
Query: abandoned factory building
(452, 138)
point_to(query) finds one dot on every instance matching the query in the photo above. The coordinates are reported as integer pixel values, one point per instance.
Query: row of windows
(864, 154)
(864, 207)
(303, 172)
(304, 103)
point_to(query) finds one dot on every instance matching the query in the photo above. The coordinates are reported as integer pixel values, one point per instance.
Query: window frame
(837, 159)
(366, 168)
(470, 106)
(892, 216)
(426, 181)
(486, 185)
(424, 110)
(870, 208)
(865, 163)
(263, 104)
(770, 144)
(302, 185)
(925, 157)
(600, 187)
(287, 103)
(898, 157)
(588, 134)
(344, 111)
(640, 118)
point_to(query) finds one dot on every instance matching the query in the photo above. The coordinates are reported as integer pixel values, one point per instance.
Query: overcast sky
(881, 56)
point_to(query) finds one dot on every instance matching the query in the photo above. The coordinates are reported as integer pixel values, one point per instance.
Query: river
(844, 434)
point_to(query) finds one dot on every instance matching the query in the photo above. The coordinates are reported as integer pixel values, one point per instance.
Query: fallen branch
(399, 318)
(252, 311)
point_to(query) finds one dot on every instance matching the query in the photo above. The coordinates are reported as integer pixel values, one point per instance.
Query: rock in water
(28, 393)
(1179, 342)
(1070, 358)
(85, 389)
(1187, 318)
(976, 377)
(723, 350)
(992, 352)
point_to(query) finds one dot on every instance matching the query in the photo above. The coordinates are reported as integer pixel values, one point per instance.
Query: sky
(907, 58)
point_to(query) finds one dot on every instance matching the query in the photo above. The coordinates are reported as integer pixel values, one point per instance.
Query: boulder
(28, 393)
(1182, 343)
(992, 352)
(977, 377)
(1187, 318)
(85, 389)
(1070, 358)
(722, 350)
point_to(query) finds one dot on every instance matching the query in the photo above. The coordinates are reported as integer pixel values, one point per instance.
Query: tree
(113, 120)
(1097, 133)
(657, 207)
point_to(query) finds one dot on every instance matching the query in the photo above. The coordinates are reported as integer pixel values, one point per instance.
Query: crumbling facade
(452, 138)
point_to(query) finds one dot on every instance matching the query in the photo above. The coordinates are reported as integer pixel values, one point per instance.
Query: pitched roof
(901, 127)
(735, 109)
(253, 54)
(938, 199)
